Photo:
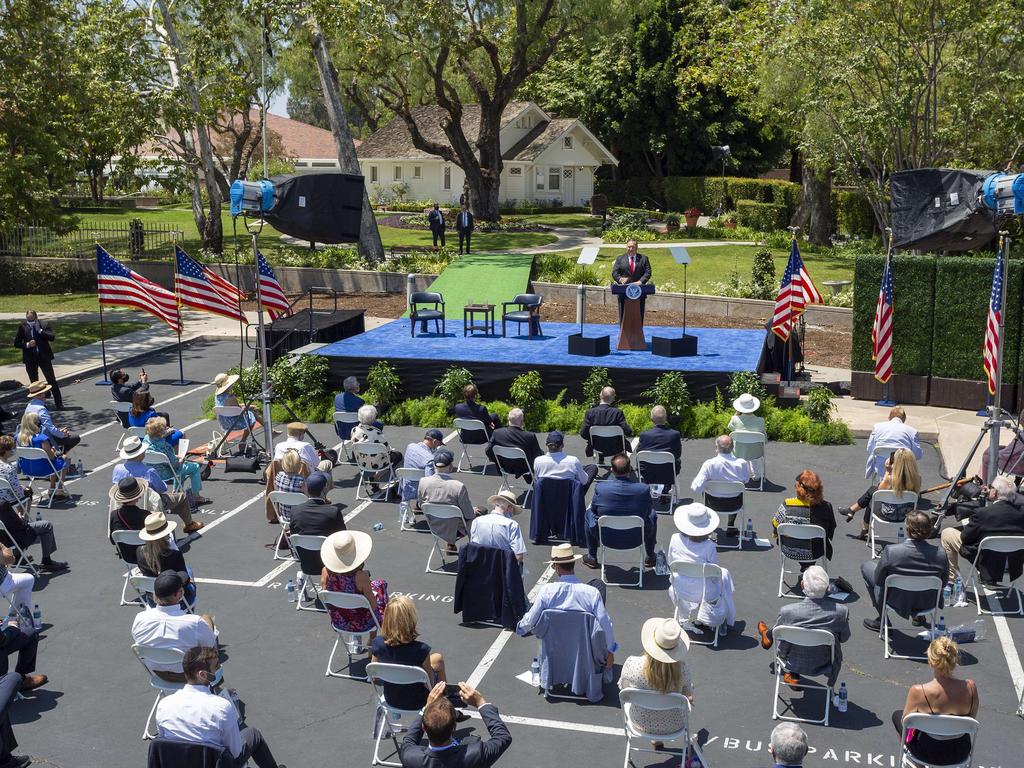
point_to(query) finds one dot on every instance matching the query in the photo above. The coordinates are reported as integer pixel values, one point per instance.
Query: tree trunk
(814, 214)
(370, 246)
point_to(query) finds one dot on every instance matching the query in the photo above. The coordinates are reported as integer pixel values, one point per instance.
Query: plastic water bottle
(378, 526)
(900, 535)
(940, 627)
(958, 592)
(749, 533)
(39, 515)
(37, 618)
(843, 698)
(660, 563)
(300, 584)
(535, 673)
(290, 589)
(403, 513)
(80, 468)
(947, 596)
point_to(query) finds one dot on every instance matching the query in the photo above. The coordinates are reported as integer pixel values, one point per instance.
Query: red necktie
(631, 264)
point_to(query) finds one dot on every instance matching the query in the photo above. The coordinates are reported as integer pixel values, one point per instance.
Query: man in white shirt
(559, 465)
(723, 466)
(891, 434)
(497, 528)
(570, 594)
(168, 626)
(196, 715)
(296, 442)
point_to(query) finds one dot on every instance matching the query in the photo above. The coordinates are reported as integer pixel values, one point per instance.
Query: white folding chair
(806, 638)
(705, 572)
(144, 586)
(24, 561)
(882, 451)
(157, 459)
(907, 583)
(412, 474)
(886, 497)
(649, 464)
(750, 445)
(506, 459)
(121, 409)
(621, 523)
(282, 500)
(942, 727)
(355, 642)
(162, 687)
(726, 489)
(612, 438)
(350, 418)
(433, 512)
(300, 541)
(21, 505)
(465, 428)
(386, 718)
(34, 454)
(363, 452)
(128, 538)
(1004, 545)
(224, 442)
(139, 432)
(802, 532)
(645, 699)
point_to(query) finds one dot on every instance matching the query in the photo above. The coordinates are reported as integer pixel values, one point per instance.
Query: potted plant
(671, 222)
(729, 222)
(692, 214)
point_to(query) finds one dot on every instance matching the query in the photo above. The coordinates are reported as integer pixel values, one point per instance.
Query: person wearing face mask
(497, 528)
(196, 715)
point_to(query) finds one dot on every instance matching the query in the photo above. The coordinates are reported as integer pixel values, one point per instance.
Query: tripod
(246, 403)
(994, 421)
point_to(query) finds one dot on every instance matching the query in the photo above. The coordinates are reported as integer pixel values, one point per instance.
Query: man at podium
(631, 267)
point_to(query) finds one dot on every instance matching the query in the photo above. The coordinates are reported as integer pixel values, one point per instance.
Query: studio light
(1004, 193)
(252, 197)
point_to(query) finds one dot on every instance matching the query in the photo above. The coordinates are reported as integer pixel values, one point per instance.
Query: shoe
(194, 526)
(862, 536)
(31, 682)
(847, 513)
(791, 678)
(207, 471)
(762, 629)
(60, 493)
(919, 621)
(873, 624)
(202, 500)
(451, 549)
(591, 562)
(648, 562)
(732, 530)
(52, 566)
(16, 761)
(460, 716)
(658, 745)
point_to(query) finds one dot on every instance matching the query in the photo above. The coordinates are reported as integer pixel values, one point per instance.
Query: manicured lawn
(716, 263)
(69, 335)
(491, 241)
(51, 302)
(570, 220)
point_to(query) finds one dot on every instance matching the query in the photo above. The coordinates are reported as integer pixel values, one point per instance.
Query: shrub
(762, 275)
(853, 214)
(449, 386)
(786, 424)
(819, 404)
(625, 234)
(670, 390)
(832, 433)
(628, 219)
(527, 392)
(708, 421)
(637, 416)
(552, 268)
(764, 217)
(672, 219)
(746, 381)
(682, 192)
(842, 299)
(596, 380)
(581, 274)
(41, 277)
(382, 384)
(648, 214)
(301, 380)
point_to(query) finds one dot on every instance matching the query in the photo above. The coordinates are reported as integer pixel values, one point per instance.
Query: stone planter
(691, 222)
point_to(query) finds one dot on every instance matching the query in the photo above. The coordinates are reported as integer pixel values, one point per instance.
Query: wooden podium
(631, 324)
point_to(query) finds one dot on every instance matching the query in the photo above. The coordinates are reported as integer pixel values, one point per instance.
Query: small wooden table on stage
(469, 313)
(631, 324)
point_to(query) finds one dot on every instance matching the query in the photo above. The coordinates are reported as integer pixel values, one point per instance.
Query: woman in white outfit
(692, 545)
(20, 584)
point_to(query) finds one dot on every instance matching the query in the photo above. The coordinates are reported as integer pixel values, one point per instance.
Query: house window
(567, 173)
(516, 171)
(417, 172)
(324, 164)
(554, 178)
(540, 179)
(447, 177)
(398, 173)
(373, 174)
(301, 164)
(567, 142)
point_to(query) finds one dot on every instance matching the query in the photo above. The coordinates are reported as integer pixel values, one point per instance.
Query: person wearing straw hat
(224, 394)
(30, 434)
(568, 593)
(159, 438)
(127, 515)
(497, 528)
(344, 554)
(745, 406)
(661, 669)
(38, 391)
(692, 544)
(157, 554)
(167, 625)
(174, 502)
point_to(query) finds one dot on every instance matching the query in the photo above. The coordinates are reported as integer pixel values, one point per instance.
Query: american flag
(792, 297)
(993, 332)
(271, 296)
(811, 293)
(201, 288)
(117, 285)
(881, 330)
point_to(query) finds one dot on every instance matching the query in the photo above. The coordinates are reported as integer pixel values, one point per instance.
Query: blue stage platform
(494, 359)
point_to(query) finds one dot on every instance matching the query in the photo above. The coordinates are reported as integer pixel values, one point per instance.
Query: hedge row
(763, 217)
(853, 214)
(42, 277)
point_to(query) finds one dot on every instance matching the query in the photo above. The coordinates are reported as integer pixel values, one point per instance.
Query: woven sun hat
(132, 448)
(345, 550)
(223, 382)
(562, 554)
(157, 526)
(128, 489)
(746, 403)
(38, 389)
(664, 640)
(506, 496)
(695, 519)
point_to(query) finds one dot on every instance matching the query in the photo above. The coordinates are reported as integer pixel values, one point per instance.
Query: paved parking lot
(92, 712)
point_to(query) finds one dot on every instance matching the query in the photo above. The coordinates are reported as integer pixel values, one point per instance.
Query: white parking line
(1009, 648)
(562, 725)
(168, 400)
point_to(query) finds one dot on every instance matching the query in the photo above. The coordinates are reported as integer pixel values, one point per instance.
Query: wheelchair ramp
(482, 278)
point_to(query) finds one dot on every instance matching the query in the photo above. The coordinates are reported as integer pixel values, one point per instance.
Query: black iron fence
(125, 240)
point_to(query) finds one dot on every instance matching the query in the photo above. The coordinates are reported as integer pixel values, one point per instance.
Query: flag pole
(995, 420)
(105, 381)
(261, 348)
(887, 401)
(790, 352)
(182, 381)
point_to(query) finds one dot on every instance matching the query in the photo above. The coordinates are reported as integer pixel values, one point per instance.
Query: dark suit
(436, 221)
(464, 226)
(603, 415)
(475, 755)
(9, 685)
(26, 533)
(913, 557)
(473, 410)
(640, 273)
(129, 518)
(662, 437)
(315, 517)
(40, 357)
(999, 519)
(516, 437)
(815, 613)
(619, 497)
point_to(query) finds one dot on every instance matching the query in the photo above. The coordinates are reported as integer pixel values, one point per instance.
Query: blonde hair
(29, 428)
(399, 627)
(662, 677)
(156, 426)
(905, 476)
(291, 462)
(943, 655)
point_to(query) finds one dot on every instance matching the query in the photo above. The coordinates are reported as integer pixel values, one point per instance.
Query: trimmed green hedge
(764, 217)
(41, 277)
(683, 192)
(912, 337)
(962, 288)
(853, 214)
(776, 192)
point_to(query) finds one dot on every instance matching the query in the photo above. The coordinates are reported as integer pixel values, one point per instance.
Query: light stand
(261, 342)
(686, 345)
(579, 344)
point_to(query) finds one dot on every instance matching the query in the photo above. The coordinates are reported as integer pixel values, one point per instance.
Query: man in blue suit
(621, 496)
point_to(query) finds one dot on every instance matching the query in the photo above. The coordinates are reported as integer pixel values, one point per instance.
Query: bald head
(659, 415)
(515, 417)
(607, 395)
(724, 444)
